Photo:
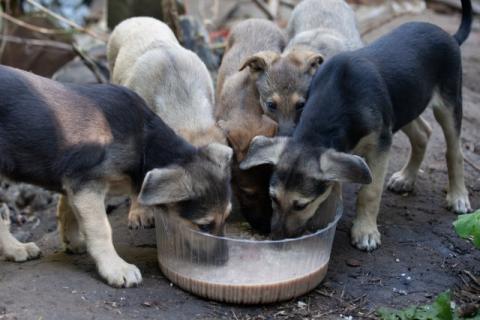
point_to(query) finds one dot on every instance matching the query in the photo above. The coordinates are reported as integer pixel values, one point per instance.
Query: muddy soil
(420, 255)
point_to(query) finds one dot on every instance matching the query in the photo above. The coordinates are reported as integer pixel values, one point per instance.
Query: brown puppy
(241, 116)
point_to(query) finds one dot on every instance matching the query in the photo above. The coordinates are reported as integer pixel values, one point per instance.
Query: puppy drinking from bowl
(357, 101)
(240, 115)
(145, 56)
(84, 141)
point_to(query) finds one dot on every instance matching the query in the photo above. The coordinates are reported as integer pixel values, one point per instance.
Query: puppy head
(250, 186)
(282, 83)
(195, 195)
(302, 180)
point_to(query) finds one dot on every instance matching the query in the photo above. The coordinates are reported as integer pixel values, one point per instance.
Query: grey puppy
(324, 26)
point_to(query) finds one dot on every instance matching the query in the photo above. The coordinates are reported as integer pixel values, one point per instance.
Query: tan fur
(418, 133)
(89, 208)
(11, 248)
(71, 123)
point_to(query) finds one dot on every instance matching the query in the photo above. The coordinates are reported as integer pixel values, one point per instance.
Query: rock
(353, 263)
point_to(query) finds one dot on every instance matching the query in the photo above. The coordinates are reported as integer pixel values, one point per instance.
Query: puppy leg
(457, 196)
(73, 240)
(364, 233)
(139, 217)
(418, 132)
(89, 207)
(11, 248)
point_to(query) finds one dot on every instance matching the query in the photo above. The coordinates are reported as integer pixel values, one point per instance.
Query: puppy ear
(344, 167)
(313, 62)
(264, 150)
(237, 137)
(260, 61)
(306, 60)
(219, 154)
(166, 185)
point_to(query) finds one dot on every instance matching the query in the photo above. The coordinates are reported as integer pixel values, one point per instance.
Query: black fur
(32, 146)
(384, 86)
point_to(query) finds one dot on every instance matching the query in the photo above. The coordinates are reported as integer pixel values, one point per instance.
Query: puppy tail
(464, 30)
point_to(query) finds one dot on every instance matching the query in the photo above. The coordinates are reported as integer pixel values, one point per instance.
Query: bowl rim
(331, 224)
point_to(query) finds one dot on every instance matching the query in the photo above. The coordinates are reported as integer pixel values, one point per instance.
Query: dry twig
(37, 42)
(65, 20)
(265, 9)
(90, 64)
(31, 27)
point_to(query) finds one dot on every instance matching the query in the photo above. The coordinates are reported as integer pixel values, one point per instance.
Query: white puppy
(145, 56)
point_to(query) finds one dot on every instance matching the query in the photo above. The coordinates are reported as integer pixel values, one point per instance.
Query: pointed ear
(313, 62)
(306, 60)
(260, 61)
(264, 150)
(344, 167)
(218, 154)
(166, 185)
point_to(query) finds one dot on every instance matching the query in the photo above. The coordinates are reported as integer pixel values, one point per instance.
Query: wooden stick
(472, 164)
(265, 9)
(31, 26)
(37, 42)
(90, 64)
(65, 20)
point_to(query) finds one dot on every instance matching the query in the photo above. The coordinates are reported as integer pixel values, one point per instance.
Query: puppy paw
(141, 218)
(400, 183)
(458, 202)
(75, 245)
(120, 274)
(21, 252)
(365, 236)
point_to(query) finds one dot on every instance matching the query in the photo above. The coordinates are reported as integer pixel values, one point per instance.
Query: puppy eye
(300, 206)
(299, 106)
(272, 106)
(206, 227)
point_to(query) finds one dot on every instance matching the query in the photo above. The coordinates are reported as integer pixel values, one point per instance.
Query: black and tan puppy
(357, 101)
(85, 140)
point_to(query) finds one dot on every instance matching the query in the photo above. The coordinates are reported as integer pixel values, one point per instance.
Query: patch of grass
(467, 226)
(440, 309)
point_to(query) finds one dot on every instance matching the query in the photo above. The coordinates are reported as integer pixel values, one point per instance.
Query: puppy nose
(286, 129)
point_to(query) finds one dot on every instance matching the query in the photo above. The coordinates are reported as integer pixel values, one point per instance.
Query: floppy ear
(313, 62)
(166, 185)
(264, 150)
(344, 167)
(260, 61)
(218, 154)
(239, 133)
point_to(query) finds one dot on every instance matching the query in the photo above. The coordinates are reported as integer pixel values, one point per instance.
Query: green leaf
(467, 226)
(440, 309)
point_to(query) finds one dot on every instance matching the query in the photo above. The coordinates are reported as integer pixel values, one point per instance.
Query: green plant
(467, 226)
(440, 309)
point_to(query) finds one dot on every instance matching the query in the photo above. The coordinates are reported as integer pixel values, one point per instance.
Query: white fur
(11, 248)
(324, 26)
(145, 56)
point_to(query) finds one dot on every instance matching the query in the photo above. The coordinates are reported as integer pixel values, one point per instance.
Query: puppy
(327, 27)
(146, 57)
(357, 101)
(85, 140)
(241, 117)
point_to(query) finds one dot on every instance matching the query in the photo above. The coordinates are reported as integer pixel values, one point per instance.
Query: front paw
(119, 274)
(458, 202)
(400, 183)
(365, 236)
(141, 218)
(21, 252)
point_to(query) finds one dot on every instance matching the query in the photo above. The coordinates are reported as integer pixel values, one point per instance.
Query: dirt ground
(420, 255)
